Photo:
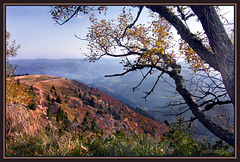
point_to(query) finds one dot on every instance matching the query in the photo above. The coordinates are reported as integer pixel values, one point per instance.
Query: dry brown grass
(22, 121)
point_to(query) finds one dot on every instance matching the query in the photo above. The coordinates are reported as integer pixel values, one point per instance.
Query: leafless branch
(134, 88)
(148, 93)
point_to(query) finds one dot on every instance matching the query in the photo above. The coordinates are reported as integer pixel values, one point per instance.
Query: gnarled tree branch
(220, 44)
(185, 34)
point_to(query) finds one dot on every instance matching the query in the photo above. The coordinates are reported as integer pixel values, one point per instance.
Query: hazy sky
(41, 37)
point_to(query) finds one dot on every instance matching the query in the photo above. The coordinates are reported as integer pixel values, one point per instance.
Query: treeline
(20, 74)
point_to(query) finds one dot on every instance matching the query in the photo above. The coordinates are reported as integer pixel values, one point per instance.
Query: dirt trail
(40, 106)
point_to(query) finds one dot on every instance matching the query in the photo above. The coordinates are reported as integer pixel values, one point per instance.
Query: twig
(148, 93)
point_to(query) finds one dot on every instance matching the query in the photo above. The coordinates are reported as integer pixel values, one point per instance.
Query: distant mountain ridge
(85, 105)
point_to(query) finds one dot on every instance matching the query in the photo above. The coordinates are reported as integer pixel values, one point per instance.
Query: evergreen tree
(98, 95)
(99, 112)
(61, 131)
(18, 81)
(91, 102)
(80, 96)
(75, 120)
(100, 107)
(65, 116)
(49, 113)
(109, 110)
(84, 94)
(85, 121)
(60, 114)
(87, 113)
(58, 117)
(58, 100)
(66, 122)
(52, 100)
(53, 87)
(94, 126)
(48, 98)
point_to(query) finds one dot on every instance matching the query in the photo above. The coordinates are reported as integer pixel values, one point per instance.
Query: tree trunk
(196, 44)
(217, 130)
(220, 44)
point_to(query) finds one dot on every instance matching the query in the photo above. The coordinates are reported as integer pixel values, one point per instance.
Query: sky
(40, 37)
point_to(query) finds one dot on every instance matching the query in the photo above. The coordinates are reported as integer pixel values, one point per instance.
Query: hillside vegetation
(68, 118)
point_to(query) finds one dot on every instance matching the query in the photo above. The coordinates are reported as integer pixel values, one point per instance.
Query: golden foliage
(150, 42)
(17, 93)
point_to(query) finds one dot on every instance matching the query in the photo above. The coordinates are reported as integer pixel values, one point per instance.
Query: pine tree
(99, 112)
(85, 121)
(80, 96)
(66, 122)
(91, 102)
(18, 81)
(109, 110)
(87, 113)
(49, 113)
(58, 100)
(48, 98)
(94, 126)
(52, 100)
(65, 116)
(100, 107)
(53, 87)
(59, 116)
(75, 120)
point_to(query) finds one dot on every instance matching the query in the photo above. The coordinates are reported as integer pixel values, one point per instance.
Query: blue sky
(41, 37)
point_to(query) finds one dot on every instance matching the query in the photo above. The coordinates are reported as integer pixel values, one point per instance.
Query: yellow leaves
(191, 57)
(17, 93)
(113, 35)
(70, 147)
